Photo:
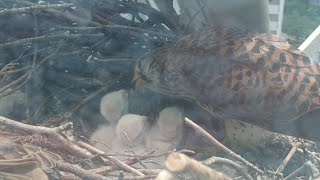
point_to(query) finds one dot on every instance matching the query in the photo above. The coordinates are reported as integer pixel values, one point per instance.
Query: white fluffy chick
(128, 133)
(114, 105)
(131, 129)
(103, 138)
(167, 132)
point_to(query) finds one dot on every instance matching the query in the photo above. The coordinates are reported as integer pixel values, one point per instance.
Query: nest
(58, 59)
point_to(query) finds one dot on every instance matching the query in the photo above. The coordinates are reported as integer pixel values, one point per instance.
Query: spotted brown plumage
(255, 78)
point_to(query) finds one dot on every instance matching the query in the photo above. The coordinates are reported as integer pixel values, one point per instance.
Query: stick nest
(58, 59)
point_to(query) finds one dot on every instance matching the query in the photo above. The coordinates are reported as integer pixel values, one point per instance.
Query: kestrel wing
(241, 76)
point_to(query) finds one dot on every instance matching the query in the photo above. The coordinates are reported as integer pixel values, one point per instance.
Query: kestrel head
(149, 69)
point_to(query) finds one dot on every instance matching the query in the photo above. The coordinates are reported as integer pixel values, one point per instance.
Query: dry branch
(80, 172)
(124, 166)
(288, 158)
(201, 131)
(240, 169)
(53, 133)
(177, 163)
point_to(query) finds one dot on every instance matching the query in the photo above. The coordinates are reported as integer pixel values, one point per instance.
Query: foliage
(300, 19)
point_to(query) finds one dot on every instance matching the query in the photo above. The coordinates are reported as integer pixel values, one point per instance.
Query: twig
(187, 152)
(88, 98)
(124, 166)
(116, 60)
(217, 143)
(177, 163)
(35, 7)
(228, 162)
(123, 28)
(53, 54)
(13, 90)
(67, 15)
(301, 170)
(139, 177)
(15, 82)
(119, 163)
(288, 158)
(51, 37)
(138, 30)
(108, 169)
(148, 2)
(53, 133)
(26, 68)
(139, 156)
(310, 153)
(36, 34)
(8, 67)
(131, 149)
(78, 171)
(150, 171)
(90, 148)
(46, 101)
(204, 14)
(4, 70)
(103, 20)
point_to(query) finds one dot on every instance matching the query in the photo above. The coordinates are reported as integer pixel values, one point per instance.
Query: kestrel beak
(138, 82)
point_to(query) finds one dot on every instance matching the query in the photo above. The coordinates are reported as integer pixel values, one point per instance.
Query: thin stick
(35, 7)
(148, 2)
(217, 143)
(116, 60)
(140, 177)
(108, 169)
(131, 149)
(52, 55)
(16, 82)
(78, 171)
(51, 37)
(228, 162)
(36, 34)
(13, 90)
(204, 14)
(299, 171)
(88, 98)
(119, 163)
(288, 158)
(10, 72)
(124, 166)
(310, 153)
(123, 28)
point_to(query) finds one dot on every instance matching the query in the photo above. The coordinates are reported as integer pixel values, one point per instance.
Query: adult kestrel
(255, 78)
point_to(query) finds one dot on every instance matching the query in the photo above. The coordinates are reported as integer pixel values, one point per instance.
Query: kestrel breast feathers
(255, 78)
